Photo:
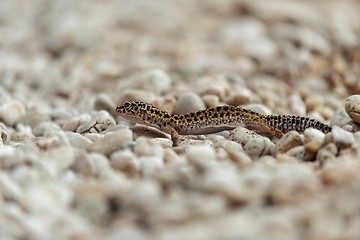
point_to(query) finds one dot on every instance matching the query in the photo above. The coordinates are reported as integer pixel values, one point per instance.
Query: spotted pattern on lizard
(215, 119)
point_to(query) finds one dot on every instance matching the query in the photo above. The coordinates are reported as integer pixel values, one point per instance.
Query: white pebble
(352, 107)
(155, 81)
(125, 161)
(147, 147)
(4, 136)
(135, 95)
(11, 111)
(312, 134)
(288, 141)
(340, 118)
(342, 138)
(112, 141)
(201, 156)
(254, 144)
(188, 102)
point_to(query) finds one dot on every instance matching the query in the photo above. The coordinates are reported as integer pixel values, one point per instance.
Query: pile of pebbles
(71, 168)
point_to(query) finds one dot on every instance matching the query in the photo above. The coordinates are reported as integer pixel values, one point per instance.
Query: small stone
(259, 108)
(344, 169)
(342, 138)
(188, 102)
(99, 122)
(155, 81)
(235, 152)
(254, 144)
(170, 157)
(22, 134)
(211, 100)
(112, 141)
(82, 165)
(78, 141)
(10, 189)
(327, 153)
(202, 157)
(147, 147)
(289, 140)
(73, 123)
(33, 117)
(313, 146)
(135, 95)
(352, 107)
(103, 102)
(126, 162)
(313, 102)
(90, 201)
(312, 134)
(297, 105)
(44, 128)
(11, 112)
(4, 136)
(297, 152)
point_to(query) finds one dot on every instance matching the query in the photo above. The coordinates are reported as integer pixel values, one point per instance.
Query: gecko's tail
(286, 123)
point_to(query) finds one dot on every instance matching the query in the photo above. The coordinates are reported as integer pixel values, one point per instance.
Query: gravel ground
(71, 168)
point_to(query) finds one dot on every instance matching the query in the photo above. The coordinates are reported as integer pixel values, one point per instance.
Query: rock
(44, 128)
(327, 153)
(297, 152)
(312, 134)
(288, 141)
(11, 112)
(297, 105)
(345, 169)
(4, 136)
(202, 157)
(32, 117)
(22, 134)
(253, 144)
(82, 165)
(340, 118)
(313, 146)
(170, 157)
(99, 122)
(188, 102)
(250, 34)
(147, 147)
(10, 190)
(126, 162)
(78, 141)
(135, 95)
(112, 141)
(104, 102)
(352, 107)
(150, 156)
(342, 138)
(73, 123)
(154, 81)
(235, 152)
(91, 202)
(313, 102)
(210, 100)
(259, 108)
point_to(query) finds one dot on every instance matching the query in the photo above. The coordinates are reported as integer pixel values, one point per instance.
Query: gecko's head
(132, 111)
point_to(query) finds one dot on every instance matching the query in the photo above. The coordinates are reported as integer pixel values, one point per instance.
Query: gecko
(215, 119)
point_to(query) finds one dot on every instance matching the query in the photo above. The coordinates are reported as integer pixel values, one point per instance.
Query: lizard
(215, 119)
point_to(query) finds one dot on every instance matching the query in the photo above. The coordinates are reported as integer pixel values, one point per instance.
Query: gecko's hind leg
(264, 128)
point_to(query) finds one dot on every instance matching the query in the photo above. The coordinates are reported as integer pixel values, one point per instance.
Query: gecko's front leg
(174, 137)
